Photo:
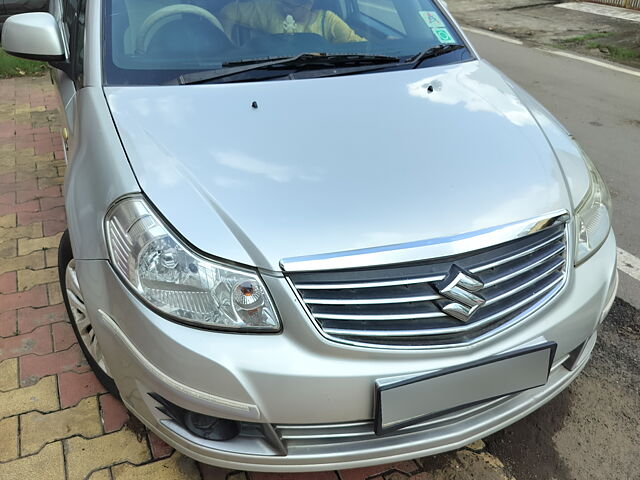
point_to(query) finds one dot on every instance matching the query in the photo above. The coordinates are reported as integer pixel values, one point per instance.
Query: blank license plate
(410, 401)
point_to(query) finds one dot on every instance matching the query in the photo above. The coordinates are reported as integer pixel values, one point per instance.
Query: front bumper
(299, 380)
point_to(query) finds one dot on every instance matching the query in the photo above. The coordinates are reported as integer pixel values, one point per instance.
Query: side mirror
(34, 36)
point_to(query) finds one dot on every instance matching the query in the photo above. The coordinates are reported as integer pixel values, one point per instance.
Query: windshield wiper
(433, 52)
(304, 60)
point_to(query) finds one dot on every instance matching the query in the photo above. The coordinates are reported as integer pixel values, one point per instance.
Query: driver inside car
(288, 16)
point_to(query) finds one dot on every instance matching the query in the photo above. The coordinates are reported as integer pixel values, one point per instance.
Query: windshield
(159, 41)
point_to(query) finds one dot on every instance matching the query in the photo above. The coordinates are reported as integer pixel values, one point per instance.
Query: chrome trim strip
(336, 435)
(372, 301)
(513, 291)
(407, 316)
(325, 425)
(419, 250)
(442, 331)
(388, 283)
(525, 269)
(519, 255)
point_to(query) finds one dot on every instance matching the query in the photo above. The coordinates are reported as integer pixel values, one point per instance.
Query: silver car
(312, 235)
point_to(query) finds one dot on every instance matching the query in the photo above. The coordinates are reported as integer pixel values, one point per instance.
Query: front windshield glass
(158, 41)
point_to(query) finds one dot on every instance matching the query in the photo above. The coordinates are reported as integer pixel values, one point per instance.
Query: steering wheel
(159, 15)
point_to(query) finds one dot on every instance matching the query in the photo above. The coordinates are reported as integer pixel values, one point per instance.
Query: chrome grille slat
(390, 283)
(405, 309)
(513, 291)
(374, 301)
(525, 269)
(329, 316)
(517, 256)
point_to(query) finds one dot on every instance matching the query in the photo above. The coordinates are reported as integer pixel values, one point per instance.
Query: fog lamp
(211, 428)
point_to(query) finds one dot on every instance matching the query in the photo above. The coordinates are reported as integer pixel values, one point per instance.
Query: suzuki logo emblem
(460, 286)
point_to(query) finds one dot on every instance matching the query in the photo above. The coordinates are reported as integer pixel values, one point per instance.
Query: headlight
(593, 216)
(178, 282)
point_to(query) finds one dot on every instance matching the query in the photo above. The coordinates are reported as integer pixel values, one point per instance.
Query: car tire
(76, 310)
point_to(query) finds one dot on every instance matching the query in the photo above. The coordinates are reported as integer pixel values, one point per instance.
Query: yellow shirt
(265, 15)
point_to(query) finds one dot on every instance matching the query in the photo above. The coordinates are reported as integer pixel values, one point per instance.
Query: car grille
(401, 306)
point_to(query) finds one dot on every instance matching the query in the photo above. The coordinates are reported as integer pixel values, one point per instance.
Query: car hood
(338, 164)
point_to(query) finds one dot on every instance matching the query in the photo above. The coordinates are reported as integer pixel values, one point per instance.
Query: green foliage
(18, 67)
(614, 52)
(584, 38)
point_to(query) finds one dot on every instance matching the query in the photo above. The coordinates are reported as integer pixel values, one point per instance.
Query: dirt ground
(539, 22)
(592, 429)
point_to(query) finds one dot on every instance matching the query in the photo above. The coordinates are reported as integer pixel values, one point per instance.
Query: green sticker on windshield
(432, 19)
(443, 35)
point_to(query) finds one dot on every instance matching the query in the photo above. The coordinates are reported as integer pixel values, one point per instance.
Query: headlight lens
(593, 216)
(180, 283)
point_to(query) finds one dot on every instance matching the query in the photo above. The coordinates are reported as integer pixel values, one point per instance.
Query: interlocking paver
(8, 439)
(103, 474)
(32, 261)
(51, 257)
(159, 449)
(176, 467)
(26, 195)
(8, 323)
(84, 456)
(37, 429)
(32, 318)
(114, 414)
(27, 218)
(33, 367)
(37, 342)
(8, 248)
(76, 386)
(28, 279)
(28, 245)
(9, 374)
(63, 336)
(8, 282)
(53, 227)
(8, 221)
(48, 464)
(42, 396)
(36, 297)
(53, 291)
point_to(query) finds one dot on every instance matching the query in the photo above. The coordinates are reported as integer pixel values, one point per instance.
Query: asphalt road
(601, 107)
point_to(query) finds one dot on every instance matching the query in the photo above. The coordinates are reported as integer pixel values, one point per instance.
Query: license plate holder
(405, 402)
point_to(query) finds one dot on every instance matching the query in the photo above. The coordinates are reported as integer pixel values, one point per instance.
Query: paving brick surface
(85, 455)
(8, 374)
(56, 420)
(76, 386)
(114, 414)
(8, 439)
(37, 429)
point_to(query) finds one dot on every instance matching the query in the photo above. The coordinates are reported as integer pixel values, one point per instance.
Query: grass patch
(18, 67)
(583, 38)
(590, 41)
(615, 52)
